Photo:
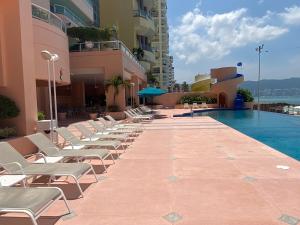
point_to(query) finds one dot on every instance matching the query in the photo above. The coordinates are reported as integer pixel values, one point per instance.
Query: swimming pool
(279, 131)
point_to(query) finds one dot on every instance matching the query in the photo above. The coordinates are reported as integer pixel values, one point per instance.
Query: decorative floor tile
(102, 178)
(172, 178)
(249, 179)
(289, 219)
(172, 217)
(173, 158)
(230, 158)
(68, 216)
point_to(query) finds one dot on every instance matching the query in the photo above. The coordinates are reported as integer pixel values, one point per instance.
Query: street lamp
(46, 55)
(132, 91)
(55, 58)
(259, 50)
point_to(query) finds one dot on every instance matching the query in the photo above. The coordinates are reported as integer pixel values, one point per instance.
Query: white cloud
(261, 2)
(291, 15)
(201, 36)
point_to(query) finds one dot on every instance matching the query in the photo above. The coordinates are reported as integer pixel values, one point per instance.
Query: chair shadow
(70, 189)
(43, 220)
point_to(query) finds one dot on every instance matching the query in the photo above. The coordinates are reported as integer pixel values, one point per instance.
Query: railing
(59, 9)
(142, 13)
(147, 48)
(45, 15)
(104, 46)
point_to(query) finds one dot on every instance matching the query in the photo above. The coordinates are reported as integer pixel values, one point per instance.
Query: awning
(150, 91)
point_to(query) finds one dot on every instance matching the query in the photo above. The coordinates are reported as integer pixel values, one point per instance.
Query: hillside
(284, 87)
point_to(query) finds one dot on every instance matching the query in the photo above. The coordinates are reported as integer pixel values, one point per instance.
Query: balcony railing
(142, 13)
(45, 15)
(105, 46)
(59, 9)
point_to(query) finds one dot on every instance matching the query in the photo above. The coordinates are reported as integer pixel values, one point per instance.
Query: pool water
(279, 131)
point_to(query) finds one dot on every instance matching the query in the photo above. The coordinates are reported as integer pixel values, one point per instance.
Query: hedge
(198, 99)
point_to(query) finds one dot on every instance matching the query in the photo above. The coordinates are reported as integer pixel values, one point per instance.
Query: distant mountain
(284, 87)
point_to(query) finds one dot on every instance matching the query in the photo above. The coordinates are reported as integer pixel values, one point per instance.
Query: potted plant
(93, 113)
(138, 53)
(8, 110)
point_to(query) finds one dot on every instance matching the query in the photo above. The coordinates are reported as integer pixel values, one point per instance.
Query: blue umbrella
(150, 91)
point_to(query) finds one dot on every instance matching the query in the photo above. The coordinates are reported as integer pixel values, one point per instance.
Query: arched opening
(222, 100)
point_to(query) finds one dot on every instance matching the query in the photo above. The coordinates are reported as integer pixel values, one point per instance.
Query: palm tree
(185, 86)
(116, 82)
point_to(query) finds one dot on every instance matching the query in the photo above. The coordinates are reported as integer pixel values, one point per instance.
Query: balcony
(86, 7)
(144, 23)
(47, 16)
(68, 15)
(106, 46)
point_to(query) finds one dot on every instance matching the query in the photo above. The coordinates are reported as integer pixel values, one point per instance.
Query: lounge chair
(186, 106)
(195, 105)
(204, 105)
(30, 201)
(142, 117)
(14, 163)
(90, 136)
(107, 127)
(135, 112)
(75, 141)
(48, 148)
(8, 180)
(114, 123)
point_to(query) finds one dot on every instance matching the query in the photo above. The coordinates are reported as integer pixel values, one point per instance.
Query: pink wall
(17, 51)
(51, 38)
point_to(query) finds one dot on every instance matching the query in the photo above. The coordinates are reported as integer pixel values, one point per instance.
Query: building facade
(160, 44)
(134, 23)
(41, 25)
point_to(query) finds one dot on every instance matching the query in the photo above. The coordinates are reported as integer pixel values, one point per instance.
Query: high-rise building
(160, 43)
(134, 23)
(171, 80)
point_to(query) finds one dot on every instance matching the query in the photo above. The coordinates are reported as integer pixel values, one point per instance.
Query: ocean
(295, 100)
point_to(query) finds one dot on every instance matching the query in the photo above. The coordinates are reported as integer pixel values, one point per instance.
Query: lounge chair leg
(34, 222)
(105, 169)
(78, 185)
(114, 162)
(95, 175)
(65, 200)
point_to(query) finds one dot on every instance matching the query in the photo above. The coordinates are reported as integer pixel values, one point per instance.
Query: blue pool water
(279, 131)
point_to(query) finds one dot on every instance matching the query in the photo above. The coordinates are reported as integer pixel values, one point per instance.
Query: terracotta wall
(171, 99)
(223, 73)
(17, 37)
(51, 38)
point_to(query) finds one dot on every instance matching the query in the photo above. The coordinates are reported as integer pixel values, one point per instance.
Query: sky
(215, 33)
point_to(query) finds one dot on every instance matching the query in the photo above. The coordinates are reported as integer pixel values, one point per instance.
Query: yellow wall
(203, 85)
(120, 14)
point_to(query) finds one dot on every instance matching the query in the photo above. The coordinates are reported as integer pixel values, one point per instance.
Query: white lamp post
(55, 58)
(132, 91)
(46, 55)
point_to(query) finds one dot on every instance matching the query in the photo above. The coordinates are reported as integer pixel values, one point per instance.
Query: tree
(185, 87)
(8, 108)
(246, 94)
(151, 80)
(91, 33)
(116, 82)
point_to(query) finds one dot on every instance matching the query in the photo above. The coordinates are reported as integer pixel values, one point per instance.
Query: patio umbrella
(151, 92)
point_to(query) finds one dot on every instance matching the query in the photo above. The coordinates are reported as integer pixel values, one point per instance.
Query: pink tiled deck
(198, 168)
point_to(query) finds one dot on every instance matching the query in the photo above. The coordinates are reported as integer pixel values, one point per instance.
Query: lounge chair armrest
(18, 165)
(37, 155)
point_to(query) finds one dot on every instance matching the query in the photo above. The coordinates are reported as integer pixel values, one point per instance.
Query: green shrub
(8, 108)
(41, 115)
(90, 33)
(7, 132)
(197, 99)
(247, 95)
